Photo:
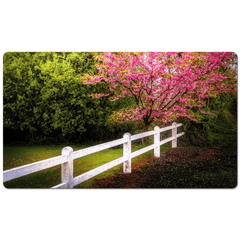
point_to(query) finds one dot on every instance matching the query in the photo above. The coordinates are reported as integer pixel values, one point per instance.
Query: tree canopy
(164, 86)
(44, 97)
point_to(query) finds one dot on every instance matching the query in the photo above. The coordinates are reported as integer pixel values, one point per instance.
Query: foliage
(164, 86)
(20, 92)
(45, 101)
(219, 129)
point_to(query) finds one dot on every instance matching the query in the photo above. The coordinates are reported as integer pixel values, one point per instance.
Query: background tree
(45, 101)
(22, 86)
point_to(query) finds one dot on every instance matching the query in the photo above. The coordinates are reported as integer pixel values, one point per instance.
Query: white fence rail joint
(68, 156)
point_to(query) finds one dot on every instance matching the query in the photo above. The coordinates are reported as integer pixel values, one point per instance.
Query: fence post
(157, 142)
(174, 134)
(67, 167)
(127, 153)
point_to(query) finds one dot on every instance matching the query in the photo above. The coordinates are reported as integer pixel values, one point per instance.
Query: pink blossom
(157, 80)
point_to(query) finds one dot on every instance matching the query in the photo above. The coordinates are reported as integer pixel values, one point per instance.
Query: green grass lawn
(15, 156)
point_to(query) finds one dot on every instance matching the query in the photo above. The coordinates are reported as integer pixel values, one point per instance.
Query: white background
(119, 26)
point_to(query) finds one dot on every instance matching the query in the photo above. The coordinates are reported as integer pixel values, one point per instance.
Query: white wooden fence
(68, 155)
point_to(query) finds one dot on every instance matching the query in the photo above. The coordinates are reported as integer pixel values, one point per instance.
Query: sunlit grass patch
(15, 156)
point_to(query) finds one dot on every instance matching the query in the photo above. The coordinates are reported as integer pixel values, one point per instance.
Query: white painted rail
(141, 135)
(33, 167)
(94, 172)
(142, 150)
(68, 156)
(97, 148)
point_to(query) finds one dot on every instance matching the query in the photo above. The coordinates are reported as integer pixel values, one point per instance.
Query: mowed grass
(15, 156)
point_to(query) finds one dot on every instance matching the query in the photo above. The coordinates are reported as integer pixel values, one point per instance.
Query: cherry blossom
(165, 86)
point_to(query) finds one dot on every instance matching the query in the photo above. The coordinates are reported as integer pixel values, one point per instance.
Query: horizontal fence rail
(97, 148)
(68, 155)
(94, 172)
(32, 167)
(142, 150)
(141, 135)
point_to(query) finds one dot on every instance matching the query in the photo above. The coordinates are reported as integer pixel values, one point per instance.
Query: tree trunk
(32, 139)
(145, 130)
(33, 136)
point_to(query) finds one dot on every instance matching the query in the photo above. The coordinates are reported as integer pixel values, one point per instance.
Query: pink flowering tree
(165, 86)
